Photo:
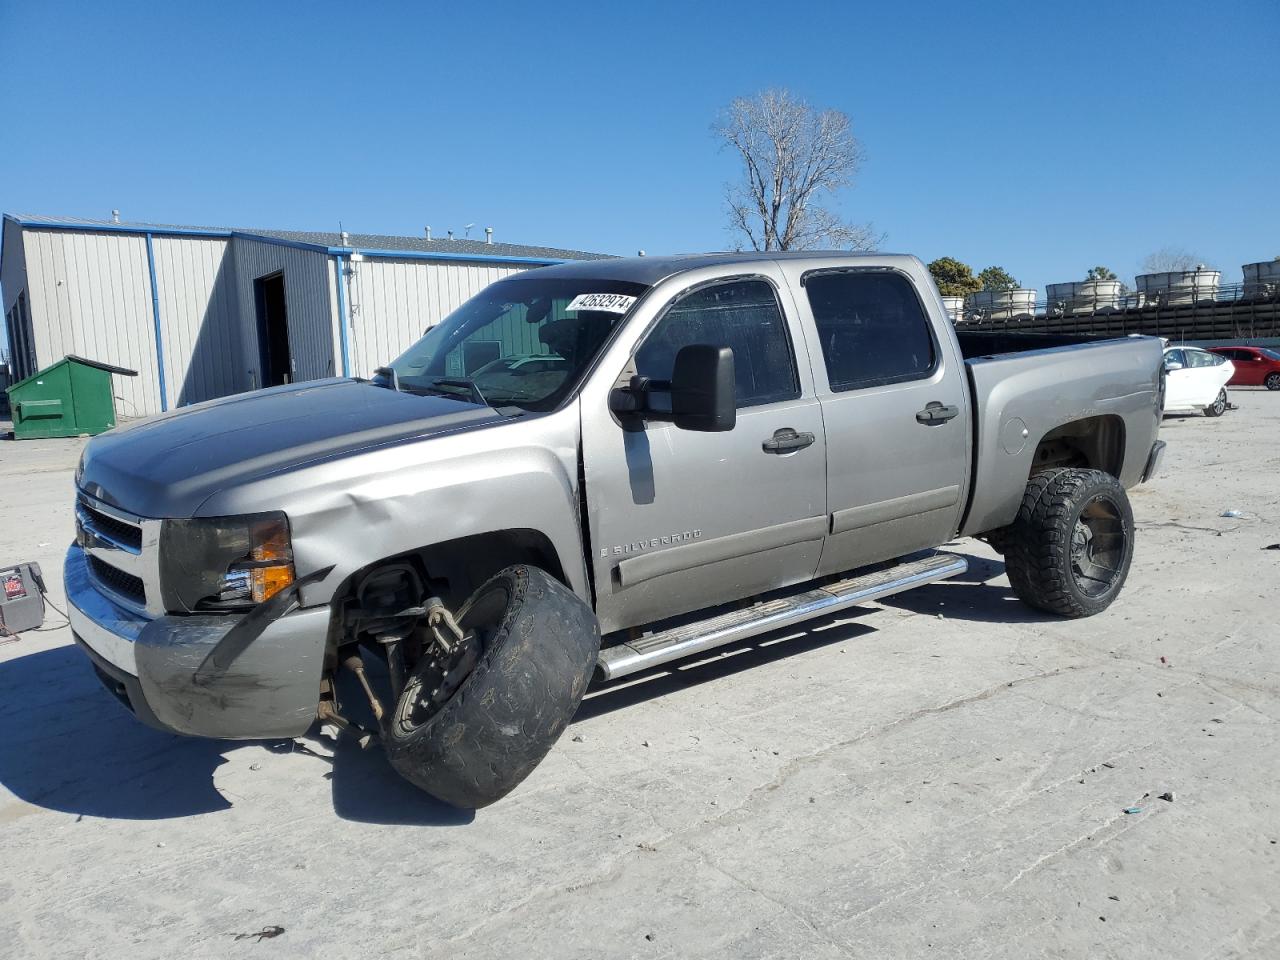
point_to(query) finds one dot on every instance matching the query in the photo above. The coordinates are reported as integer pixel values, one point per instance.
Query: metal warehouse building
(203, 312)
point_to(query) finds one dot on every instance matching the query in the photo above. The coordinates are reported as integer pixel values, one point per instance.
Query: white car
(1196, 379)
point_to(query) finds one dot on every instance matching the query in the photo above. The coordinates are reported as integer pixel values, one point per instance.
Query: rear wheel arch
(1092, 443)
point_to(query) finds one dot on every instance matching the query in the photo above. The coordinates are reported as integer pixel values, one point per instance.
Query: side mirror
(703, 393)
(1172, 365)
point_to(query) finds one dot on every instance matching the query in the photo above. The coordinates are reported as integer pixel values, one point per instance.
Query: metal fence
(1238, 310)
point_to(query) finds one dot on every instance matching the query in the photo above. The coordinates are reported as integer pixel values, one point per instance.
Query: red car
(1255, 366)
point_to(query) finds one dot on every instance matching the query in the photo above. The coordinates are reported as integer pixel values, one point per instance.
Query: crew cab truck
(592, 469)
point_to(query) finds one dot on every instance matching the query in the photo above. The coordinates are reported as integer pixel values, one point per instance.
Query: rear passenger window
(741, 314)
(871, 327)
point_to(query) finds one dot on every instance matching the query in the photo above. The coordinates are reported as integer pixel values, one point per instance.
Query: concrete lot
(942, 775)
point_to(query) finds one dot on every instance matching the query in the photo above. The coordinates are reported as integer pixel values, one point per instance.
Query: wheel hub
(1081, 542)
(1098, 545)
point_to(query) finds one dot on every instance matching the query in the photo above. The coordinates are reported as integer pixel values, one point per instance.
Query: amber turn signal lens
(266, 582)
(270, 539)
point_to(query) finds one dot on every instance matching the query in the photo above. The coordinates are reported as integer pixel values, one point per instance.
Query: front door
(683, 520)
(273, 331)
(895, 403)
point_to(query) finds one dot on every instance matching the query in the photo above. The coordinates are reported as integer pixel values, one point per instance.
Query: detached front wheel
(1070, 547)
(471, 739)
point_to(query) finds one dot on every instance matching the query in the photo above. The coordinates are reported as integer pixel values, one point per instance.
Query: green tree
(997, 278)
(954, 279)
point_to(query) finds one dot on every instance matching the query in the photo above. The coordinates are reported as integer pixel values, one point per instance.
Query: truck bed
(1025, 386)
(983, 343)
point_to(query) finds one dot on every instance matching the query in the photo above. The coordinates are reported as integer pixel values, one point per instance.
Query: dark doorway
(273, 330)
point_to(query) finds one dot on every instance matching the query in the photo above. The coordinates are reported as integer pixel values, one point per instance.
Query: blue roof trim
(161, 231)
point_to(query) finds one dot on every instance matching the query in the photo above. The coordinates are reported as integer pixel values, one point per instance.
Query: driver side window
(741, 314)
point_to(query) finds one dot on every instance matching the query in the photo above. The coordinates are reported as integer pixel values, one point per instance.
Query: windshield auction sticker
(605, 302)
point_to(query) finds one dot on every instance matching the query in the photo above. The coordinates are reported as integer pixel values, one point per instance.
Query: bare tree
(793, 157)
(1171, 260)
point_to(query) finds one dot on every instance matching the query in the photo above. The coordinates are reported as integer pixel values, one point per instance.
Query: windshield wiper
(466, 383)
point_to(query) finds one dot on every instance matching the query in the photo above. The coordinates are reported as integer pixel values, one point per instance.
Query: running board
(656, 648)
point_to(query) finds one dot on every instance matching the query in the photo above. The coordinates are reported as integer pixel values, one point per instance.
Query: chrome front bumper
(270, 690)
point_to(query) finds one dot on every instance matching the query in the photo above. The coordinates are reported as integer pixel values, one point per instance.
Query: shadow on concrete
(69, 746)
(66, 744)
(971, 597)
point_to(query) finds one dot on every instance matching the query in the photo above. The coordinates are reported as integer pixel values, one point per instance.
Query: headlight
(224, 563)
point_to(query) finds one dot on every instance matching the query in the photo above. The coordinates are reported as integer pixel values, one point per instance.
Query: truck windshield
(523, 342)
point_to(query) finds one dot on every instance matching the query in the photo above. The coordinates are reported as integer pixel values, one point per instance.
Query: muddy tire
(1219, 405)
(1070, 547)
(539, 651)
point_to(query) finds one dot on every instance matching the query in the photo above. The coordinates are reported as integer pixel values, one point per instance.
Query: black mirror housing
(703, 390)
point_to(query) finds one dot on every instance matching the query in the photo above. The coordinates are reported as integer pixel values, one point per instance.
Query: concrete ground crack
(796, 764)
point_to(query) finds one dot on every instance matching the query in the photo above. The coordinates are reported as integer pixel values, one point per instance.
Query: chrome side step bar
(657, 648)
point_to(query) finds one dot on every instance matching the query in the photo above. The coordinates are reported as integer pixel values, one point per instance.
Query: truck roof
(651, 270)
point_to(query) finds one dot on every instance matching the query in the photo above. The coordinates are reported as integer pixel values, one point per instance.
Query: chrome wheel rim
(1220, 404)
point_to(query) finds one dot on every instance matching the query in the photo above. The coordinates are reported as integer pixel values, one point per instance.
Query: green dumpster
(69, 398)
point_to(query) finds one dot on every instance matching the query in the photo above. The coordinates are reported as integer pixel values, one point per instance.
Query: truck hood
(167, 466)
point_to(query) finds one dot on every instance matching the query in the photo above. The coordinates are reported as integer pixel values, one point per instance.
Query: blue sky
(1045, 138)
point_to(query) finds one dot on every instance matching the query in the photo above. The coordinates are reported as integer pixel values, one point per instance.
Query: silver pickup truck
(589, 470)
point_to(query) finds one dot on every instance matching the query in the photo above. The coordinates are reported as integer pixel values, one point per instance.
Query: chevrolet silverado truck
(585, 471)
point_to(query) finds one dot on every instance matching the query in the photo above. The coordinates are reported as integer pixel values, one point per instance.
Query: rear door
(896, 407)
(683, 520)
(1210, 372)
(1179, 386)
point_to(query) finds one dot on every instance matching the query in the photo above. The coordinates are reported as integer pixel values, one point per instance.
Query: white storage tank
(1000, 304)
(1180, 286)
(1262, 279)
(955, 308)
(1084, 296)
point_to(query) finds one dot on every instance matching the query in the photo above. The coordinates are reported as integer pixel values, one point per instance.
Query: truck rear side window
(741, 314)
(872, 328)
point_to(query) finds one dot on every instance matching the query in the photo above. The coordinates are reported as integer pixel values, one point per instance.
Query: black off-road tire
(1272, 382)
(1048, 567)
(540, 646)
(1219, 405)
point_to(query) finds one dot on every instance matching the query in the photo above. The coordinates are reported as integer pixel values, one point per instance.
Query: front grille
(125, 534)
(123, 584)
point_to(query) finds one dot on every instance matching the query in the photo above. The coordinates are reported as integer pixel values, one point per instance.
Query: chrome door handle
(786, 440)
(935, 413)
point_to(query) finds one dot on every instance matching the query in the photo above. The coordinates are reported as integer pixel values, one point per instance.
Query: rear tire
(1219, 405)
(1272, 382)
(1070, 547)
(539, 651)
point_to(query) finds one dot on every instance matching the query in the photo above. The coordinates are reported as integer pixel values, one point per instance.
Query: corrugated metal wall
(309, 306)
(391, 303)
(199, 319)
(13, 265)
(90, 294)
(13, 282)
